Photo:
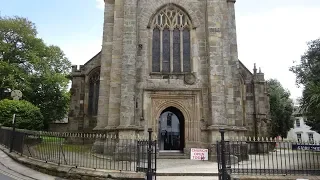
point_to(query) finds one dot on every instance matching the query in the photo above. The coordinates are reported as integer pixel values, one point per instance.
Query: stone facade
(218, 92)
(79, 119)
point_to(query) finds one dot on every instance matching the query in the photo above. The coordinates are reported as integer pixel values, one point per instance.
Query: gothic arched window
(94, 84)
(242, 88)
(171, 41)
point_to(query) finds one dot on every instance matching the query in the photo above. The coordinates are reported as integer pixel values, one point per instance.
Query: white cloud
(275, 39)
(100, 4)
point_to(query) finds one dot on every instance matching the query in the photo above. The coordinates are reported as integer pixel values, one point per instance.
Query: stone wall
(256, 102)
(78, 116)
(58, 127)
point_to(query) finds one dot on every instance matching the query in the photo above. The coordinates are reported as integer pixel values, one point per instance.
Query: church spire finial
(254, 69)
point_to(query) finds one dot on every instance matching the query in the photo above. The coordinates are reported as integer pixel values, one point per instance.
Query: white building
(301, 132)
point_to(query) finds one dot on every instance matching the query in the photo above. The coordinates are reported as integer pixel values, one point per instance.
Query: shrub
(28, 116)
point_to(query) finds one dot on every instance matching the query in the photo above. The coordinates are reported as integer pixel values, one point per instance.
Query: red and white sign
(199, 154)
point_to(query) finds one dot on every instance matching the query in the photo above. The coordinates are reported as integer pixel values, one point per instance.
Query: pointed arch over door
(171, 41)
(171, 130)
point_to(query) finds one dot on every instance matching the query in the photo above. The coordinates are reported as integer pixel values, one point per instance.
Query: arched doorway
(171, 130)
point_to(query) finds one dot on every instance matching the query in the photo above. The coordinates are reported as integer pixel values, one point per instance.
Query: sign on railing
(261, 156)
(305, 147)
(199, 154)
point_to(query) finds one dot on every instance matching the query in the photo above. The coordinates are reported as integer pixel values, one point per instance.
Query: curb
(69, 172)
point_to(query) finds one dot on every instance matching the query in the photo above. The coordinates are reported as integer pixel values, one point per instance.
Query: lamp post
(16, 95)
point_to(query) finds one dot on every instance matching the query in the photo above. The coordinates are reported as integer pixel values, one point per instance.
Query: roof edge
(93, 57)
(245, 67)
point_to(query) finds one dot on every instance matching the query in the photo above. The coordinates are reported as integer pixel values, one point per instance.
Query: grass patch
(49, 147)
(52, 139)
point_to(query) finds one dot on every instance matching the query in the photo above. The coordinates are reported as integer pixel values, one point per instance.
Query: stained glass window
(91, 89)
(94, 84)
(186, 51)
(166, 51)
(176, 51)
(96, 97)
(168, 25)
(156, 50)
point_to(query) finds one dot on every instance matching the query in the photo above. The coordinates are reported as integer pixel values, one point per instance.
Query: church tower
(172, 66)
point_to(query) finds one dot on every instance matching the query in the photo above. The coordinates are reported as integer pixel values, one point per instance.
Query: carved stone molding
(185, 105)
(190, 79)
(186, 101)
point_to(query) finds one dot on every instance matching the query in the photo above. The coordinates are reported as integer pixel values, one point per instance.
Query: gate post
(223, 174)
(149, 172)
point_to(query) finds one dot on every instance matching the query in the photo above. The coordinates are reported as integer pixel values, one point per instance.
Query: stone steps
(171, 155)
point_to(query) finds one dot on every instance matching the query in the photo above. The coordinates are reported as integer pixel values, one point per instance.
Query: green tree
(28, 116)
(308, 76)
(281, 109)
(37, 69)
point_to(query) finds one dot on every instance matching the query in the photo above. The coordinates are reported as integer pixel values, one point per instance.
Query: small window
(297, 122)
(310, 137)
(299, 137)
(169, 120)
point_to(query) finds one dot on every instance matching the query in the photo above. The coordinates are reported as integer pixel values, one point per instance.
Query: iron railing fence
(88, 150)
(142, 153)
(8, 140)
(266, 156)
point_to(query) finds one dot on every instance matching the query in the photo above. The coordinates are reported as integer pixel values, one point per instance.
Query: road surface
(8, 174)
(11, 170)
(4, 177)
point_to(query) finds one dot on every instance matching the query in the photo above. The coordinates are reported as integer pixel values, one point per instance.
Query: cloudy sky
(271, 33)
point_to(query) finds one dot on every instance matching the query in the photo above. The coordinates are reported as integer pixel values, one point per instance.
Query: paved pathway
(11, 170)
(186, 178)
(186, 166)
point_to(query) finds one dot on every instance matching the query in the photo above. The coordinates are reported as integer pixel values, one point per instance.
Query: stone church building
(169, 65)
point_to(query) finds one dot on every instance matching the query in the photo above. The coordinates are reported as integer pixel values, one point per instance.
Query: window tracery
(171, 41)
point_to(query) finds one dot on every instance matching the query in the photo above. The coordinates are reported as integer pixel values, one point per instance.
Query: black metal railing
(12, 140)
(89, 150)
(266, 156)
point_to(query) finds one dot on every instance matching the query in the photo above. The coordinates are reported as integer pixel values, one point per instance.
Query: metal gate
(222, 158)
(147, 157)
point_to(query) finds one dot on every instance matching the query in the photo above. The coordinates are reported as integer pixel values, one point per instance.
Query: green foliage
(28, 116)
(38, 70)
(281, 109)
(308, 75)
